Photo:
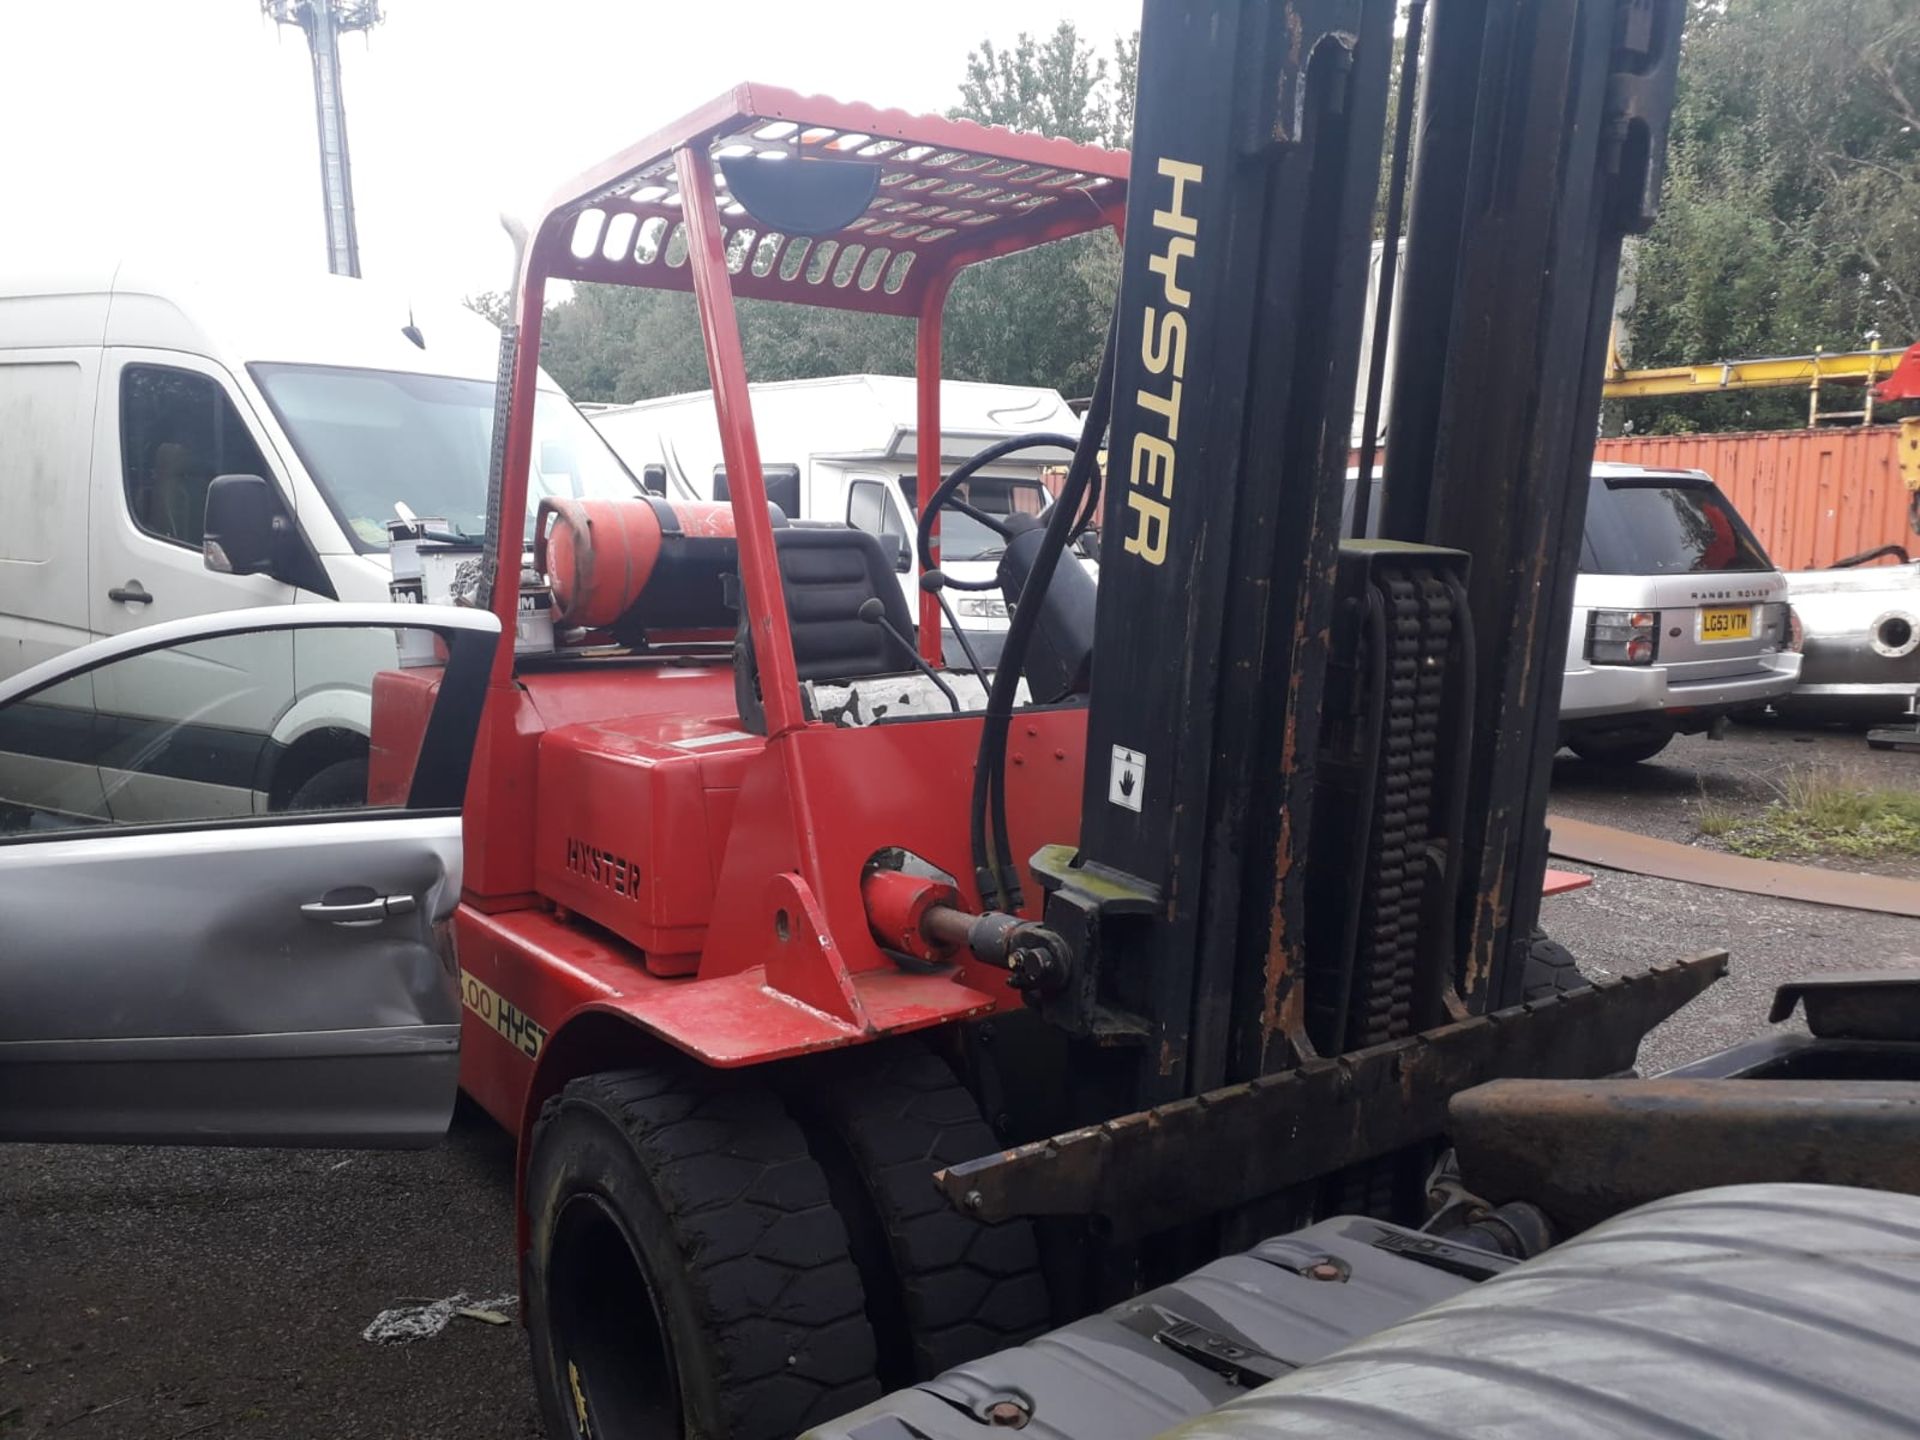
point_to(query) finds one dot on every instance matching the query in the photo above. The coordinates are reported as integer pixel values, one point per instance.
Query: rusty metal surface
(1176, 1162)
(1583, 1150)
(1613, 849)
(1812, 496)
(1857, 1005)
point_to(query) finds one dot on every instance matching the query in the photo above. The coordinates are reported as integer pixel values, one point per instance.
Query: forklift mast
(1248, 835)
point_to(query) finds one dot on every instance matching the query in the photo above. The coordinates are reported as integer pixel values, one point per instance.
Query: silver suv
(1679, 617)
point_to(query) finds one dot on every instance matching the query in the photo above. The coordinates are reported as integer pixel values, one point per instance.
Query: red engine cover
(624, 826)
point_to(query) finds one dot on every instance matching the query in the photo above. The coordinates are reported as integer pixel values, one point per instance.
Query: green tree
(1040, 317)
(1791, 217)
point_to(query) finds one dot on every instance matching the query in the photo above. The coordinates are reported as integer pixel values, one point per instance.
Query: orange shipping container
(1812, 496)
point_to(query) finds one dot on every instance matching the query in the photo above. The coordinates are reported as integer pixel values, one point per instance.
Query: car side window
(866, 506)
(178, 429)
(291, 721)
(868, 509)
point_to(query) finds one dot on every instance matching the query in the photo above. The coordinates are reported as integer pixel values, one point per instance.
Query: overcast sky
(130, 125)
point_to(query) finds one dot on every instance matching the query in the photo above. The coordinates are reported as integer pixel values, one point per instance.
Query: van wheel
(1618, 749)
(686, 1273)
(942, 1288)
(339, 786)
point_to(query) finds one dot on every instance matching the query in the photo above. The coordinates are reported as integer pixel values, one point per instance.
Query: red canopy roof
(950, 193)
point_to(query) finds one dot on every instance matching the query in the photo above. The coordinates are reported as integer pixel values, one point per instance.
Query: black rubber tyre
(1618, 750)
(339, 786)
(1551, 970)
(941, 1288)
(686, 1273)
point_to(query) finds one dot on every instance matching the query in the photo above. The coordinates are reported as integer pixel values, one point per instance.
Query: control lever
(873, 611)
(934, 582)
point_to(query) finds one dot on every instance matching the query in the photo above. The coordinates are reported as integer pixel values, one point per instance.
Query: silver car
(1679, 617)
(184, 961)
(1861, 641)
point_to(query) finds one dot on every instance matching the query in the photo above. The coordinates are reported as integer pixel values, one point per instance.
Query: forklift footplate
(1746, 1313)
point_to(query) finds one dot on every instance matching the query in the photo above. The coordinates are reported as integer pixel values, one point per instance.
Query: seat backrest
(828, 573)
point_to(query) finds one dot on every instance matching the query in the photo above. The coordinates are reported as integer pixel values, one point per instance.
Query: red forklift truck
(861, 1017)
(686, 869)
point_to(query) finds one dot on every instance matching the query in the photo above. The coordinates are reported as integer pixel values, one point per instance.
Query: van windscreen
(1665, 525)
(371, 438)
(964, 538)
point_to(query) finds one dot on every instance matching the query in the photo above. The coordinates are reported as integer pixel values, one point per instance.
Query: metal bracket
(1083, 900)
(1231, 1357)
(1856, 1005)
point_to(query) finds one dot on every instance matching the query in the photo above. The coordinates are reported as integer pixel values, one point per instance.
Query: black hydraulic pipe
(999, 881)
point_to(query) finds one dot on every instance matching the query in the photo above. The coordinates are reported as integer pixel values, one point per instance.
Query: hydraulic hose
(999, 881)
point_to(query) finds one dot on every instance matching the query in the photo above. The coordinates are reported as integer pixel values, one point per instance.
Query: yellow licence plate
(1726, 622)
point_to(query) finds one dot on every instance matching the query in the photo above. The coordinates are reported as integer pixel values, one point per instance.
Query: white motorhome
(845, 448)
(124, 393)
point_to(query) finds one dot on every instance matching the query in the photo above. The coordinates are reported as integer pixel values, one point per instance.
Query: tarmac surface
(160, 1294)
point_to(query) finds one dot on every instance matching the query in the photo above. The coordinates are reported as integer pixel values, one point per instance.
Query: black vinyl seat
(828, 573)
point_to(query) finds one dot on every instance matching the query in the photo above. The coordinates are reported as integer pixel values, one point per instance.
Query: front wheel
(339, 786)
(686, 1273)
(1550, 970)
(942, 1287)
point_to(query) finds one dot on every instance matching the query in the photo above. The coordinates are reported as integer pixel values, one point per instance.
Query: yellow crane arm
(1767, 373)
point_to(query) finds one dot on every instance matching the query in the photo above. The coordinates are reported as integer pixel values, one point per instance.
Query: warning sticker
(1127, 778)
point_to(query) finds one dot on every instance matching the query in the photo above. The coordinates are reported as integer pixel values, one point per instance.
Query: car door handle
(131, 593)
(358, 911)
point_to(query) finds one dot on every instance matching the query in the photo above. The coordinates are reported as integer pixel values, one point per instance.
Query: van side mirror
(902, 553)
(249, 532)
(244, 515)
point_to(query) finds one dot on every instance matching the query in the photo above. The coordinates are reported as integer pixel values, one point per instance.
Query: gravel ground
(1627, 921)
(1740, 775)
(150, 1294)
(160, 1294)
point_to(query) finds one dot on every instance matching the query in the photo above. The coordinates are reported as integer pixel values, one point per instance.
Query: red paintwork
(1563, 882)
(640, 872)
(599, 554)
(1904, 382)
(763, 598)
(1043, 189)
(927, 457)
(402, 701)
(897, 903)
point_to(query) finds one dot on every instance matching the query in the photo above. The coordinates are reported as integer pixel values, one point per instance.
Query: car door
(191, 970)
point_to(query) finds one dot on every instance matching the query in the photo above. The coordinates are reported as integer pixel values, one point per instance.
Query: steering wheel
(946, 497)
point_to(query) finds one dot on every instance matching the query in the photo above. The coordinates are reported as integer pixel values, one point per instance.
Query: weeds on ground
(1714, 819)
(1822, 812)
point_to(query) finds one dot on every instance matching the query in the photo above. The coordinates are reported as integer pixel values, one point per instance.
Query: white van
(845, 448)
(123, 394)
